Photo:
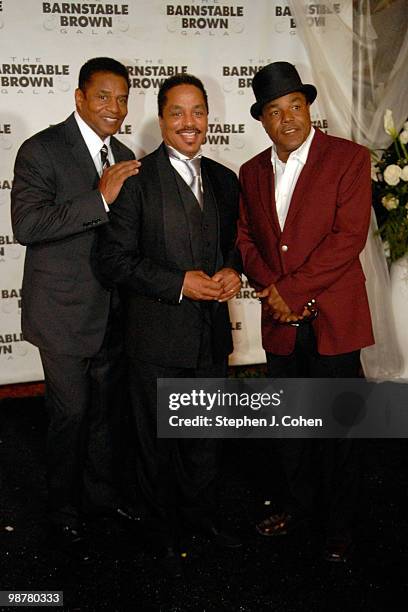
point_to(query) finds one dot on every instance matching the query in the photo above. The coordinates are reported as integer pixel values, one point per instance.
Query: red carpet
(22, 390)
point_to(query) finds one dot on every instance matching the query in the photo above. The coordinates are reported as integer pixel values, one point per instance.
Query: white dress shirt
(287, 174)
(95, 144)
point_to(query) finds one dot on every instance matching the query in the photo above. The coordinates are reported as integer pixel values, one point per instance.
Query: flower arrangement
(389, 174)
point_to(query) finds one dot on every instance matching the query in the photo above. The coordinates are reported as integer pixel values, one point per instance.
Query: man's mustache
(187, 129)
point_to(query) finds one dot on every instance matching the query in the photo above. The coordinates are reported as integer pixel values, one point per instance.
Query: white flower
(392, 174)
(389, 202)
(404, 137)
(404, 173)
(389, 126)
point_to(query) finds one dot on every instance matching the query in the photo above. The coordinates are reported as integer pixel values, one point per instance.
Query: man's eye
(102, 97)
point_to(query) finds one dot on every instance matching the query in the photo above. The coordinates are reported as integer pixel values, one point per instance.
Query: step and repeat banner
(44, 44)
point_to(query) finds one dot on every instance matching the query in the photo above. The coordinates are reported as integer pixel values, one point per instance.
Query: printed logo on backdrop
(149, 74)
(5, 188)
(317, 14)
(125, 129)
(204, 18)
(247, 294)
(10, 301)
(10, 249)
(12, 345)
(1, 16)
(237, 78)
(90, 18)
(225, 136)
(33, 75)
(319, 122)
(246, 297)
(6, 141)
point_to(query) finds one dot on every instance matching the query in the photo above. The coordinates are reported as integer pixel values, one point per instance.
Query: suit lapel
(208, 185)
(266, 187)
(174, 216)
(80, 153)
(307, 178)
(217, 196)
(116, 150)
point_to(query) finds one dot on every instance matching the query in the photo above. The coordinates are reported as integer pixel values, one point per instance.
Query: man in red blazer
(305, 210)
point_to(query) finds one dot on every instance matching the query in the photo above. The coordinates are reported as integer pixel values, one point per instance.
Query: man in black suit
(66, 178)
(170, 245)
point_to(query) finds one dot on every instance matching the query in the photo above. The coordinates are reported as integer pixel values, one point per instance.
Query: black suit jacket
(56, 211)
(141, 249)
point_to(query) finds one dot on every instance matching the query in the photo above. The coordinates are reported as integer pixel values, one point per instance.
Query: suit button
(284, 247)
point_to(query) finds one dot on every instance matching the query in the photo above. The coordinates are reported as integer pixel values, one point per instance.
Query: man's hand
(273, 303)
(112, 179)
(230, 281)
(199, 286)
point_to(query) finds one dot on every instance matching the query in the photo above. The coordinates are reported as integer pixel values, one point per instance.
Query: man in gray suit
(66, 178)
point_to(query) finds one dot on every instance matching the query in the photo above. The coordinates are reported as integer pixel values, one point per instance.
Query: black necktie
(104, 158)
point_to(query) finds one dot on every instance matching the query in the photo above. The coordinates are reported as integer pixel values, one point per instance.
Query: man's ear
(79, 97)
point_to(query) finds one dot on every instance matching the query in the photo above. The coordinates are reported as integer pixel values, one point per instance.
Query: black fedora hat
(276, 80)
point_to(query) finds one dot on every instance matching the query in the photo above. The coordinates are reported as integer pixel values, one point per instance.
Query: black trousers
(84, 397)
(177, 477)
(321, 475)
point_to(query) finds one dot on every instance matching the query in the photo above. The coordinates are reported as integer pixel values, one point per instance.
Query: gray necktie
(104, 158)
(194, 167)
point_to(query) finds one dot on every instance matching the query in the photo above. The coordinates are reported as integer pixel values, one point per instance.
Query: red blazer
(317, 254)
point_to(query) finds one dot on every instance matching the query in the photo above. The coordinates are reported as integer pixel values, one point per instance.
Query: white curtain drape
(379, 69)
(380, 73)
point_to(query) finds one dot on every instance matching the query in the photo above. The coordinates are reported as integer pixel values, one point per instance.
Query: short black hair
(173, 81)
(101, 64)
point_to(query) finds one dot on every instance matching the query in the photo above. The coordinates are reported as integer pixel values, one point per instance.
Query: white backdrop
(44, 44)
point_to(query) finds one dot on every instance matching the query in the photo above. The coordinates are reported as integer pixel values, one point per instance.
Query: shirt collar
(92, 140)
(300, 154)
(176, 154)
